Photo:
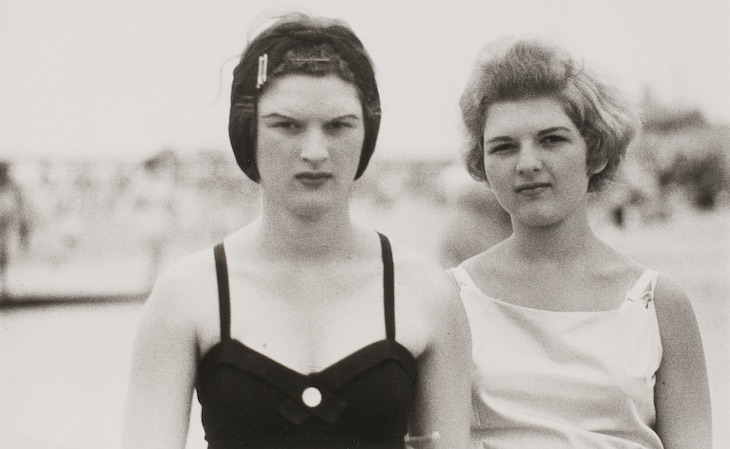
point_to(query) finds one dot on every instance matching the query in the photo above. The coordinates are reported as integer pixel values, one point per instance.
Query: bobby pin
(263, 66)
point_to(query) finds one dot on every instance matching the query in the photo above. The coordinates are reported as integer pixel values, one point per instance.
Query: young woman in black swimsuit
(303, 329)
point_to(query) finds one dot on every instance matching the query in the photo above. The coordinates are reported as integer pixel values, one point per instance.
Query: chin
(314, 204)
(312, 208)
(538, 218)
(539, 222)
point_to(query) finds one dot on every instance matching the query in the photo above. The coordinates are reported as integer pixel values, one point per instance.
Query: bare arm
(162, 375)
(443, 396)
(681, 394)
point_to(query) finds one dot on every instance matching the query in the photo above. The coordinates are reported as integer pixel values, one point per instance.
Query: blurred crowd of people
(49, 208)
(54, 211)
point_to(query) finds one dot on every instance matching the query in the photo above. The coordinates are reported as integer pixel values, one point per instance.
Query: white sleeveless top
(547, 379)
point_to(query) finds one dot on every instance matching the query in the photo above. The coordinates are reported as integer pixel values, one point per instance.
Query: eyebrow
(276, 115)
(499, 139)
(540, 133)
(347, 116)
(553, 129)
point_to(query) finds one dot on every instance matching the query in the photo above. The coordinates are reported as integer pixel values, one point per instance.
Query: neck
(328, 235)
(569, 239)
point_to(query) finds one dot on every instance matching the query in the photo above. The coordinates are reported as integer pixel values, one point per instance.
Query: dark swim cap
(282, 45)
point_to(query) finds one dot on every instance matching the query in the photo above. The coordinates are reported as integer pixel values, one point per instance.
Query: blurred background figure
(476, 221)
(629, 201)
(154, 209)
(14, 222)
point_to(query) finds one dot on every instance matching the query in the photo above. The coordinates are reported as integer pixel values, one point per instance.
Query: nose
(314, 147)
(528, 160)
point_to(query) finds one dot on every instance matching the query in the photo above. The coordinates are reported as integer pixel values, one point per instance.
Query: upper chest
(311, 316)
(324, 281)
(566, 288)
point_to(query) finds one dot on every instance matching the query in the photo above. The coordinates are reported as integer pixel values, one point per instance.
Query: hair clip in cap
(311, 59)
(263, 68)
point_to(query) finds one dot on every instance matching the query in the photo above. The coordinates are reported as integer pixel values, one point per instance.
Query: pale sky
(124, 79)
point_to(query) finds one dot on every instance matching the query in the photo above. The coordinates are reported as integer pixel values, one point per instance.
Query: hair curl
(300, 44)
(521, 69)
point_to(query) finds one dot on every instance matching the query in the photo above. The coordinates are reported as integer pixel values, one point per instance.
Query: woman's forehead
(526, 115)
(304, 95)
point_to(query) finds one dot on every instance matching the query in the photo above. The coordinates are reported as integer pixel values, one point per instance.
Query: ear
(598, 168)
(485, 180)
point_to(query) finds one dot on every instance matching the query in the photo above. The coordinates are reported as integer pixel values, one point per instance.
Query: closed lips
(531, 186)
(313, 175)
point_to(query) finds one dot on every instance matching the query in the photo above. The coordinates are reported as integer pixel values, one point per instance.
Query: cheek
(265, 139)
(495, 173)
(581, 171)
(269, 156)
(350, 147)
(271, 142)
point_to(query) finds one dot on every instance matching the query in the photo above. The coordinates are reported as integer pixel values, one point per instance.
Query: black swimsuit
(251, 401)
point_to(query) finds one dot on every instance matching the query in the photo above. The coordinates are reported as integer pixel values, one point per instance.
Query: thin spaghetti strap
(388, 287)
(224, 297)
(643, 289)
(645, 283)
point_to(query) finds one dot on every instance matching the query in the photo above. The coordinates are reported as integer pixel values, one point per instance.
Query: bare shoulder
(183, 292)
(427, 295)
(423, 275)
(430, 311)
(673, 307)
(669, 293)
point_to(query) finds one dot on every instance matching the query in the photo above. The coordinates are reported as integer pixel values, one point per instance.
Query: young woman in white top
(563, 356)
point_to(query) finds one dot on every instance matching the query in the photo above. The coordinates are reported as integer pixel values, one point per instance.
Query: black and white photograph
(380, 225)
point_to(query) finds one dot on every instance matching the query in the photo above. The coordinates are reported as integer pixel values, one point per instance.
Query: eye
(554, 139)
(502, 148)
(339, 125)
(284, 124)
